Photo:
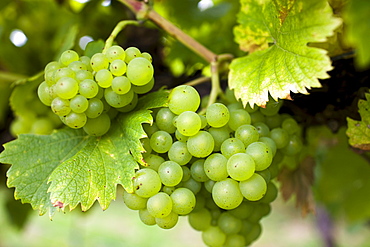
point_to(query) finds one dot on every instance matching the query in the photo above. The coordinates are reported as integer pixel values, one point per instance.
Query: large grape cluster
(216, 168)
(88, 92)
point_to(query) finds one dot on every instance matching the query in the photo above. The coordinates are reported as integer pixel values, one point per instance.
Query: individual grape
(229, 224)
(280, 137)
(257, 117)
(68, 57)
(200, 145)
(183, 98)
(104, 78)
(240, 166)
(115, 52)
(52, 66)
(247, 134)
(121, 85)
(243, 211)
(100, 94)
(97, 126)
(168, 189)
(192, 185)
(167, 222)
(197, 171)
(147, 56)
(271, 193)
(213, 236)
(63, 72)
(130, 106)
(200, 220)
(271, 108)
(188, 123)
(235, 240)
(238, 118)
(269, 142)
(273, 121)
(98, 62)
(76, 120)
(266, 174)
(88, 88)
(161, 141)
(208, 185)
(170, 173)
(183, 201)
(159, 205)
(219, 136)
(44, 94)
(60, 106)
(118, 67)
(95, 108)
(146, 217)
(86, 60)
(226, 194)
(146, 182)
(42, 126)
(133, 201)
(293, 147)
(118, 100)
(139, 71)
(180, 137)
(83, 75)
(164, 119)
(66, 88)
(262, 129)
(79, 104)
(153, 161)
(144, 89)
(150, 128)
(203, 120)
(254, 188)
(131, 53)
(186, 173)
(215, 167)
(261, 154)
(179, 153)
(232, 146)
(217, 115)
(290, 125)
(254, 233)
(49, 77)
(77, 66)
(145, 142)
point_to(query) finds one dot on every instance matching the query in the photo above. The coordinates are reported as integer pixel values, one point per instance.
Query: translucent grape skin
(240, 166)
(161, 141)
(253, 188)
(183, 201)
(261, 154)
(170, 173)
(147, 182)
(226, 194)
(183, 98)
(215, 167)
(139, 71)
(217, 115)
(97, 126)
(159, 205)
(188, 123)
(200, 145)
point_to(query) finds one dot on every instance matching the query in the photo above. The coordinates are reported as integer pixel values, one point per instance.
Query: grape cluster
(88, 92)
(216, 168)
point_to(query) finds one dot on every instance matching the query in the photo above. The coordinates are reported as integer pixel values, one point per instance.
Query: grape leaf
(94, 47)
(276, 34)
(68, 167)
(359, 131)
(357, 19)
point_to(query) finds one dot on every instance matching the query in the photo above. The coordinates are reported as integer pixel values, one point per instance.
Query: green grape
(146, 217)
(235, 240)
(262, 129)
(188, 123)
(83, 75)
(118, 100)
(161, 141)
(139, 71)
(192, 185)
(217, 115)
(98, 62)
(76, 120)
(272, 107)
(147, 56)
(254, 233)
(234, 106)
(164, 119)
(183, 98)
(79, 104)
(266, 174)
(146, 182)
(200, 145)
(68, 57)
(264, 209)
(133, 201)
(254, 188)
(88, 88)
(280, 137)
(150, 129)
(54, 65)
(208, 185)
(230, 96)
(115, 52)
(293, 147)
(86, 60)
(219, 135)
(200, 220)
(131, 53)
(146, 145)
(153, 161)
(186, 173)
(243, 211)
(63, 72)
(290, 125)
(200, 201)
(203, 120)
(232, 146)
(104, 78)
(247, 134)
(229, 224)
(60, 106)
(197, 171)
(77, 66)
(66, 88)
(144, 89)
(170, 173)
(271, 193)
(183, 201)
(179, 153)
(240, 166)
(44, 94)
(226, 194)
(159, 205)
(97, 126)
(168, 190)
(118, 67)
(167, 222)
(261, 154)
(95, 108)
(273, 121)
(121, 85)
(130, 106)
(238, 118)
(269, 142)
(257, 117)
(49, 77)
(42, 126)
(100, 94)
(180, 137)
(215, 167)
(213, 236)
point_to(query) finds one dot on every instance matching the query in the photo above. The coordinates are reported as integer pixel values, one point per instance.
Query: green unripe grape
(272, 107)
(235, 240)
(88, 88)
(219, 135)
(181, 94)
(54, 65)
(269, 142)
(83, 75)
(273, 121)
(145, 88)
(294, 146)
(280, 137)
(121, 85)
(79, 104)
(197, 171)
(179, 153)
(232, 146)
(208, 185)
(200, 145)
(66, 88)
(217, 115)
(168, 190)
(60, 106)
(77, 66)
(75, 120)
(104, 78)
(147, 56)
(253, 234)
(42, 126)
(215, 167)
(44, 95)
(97, 126)
(87, 61)
(188, 123)
(98, 62)
(240, 166)
(115, 52)
(118, 100)
(133, 201)
(243, 211)
(68, 57)
(131, 53)
(147, 182)
(95, 108)
(290, 125)
(150, 129)
(167, 222)
(118, 67)
(139, 71)
(203, 120)
(161, 141)
(164, 119)
(271, 193)
(146, 217)
(170, 173)
(192, 185)
(261, 154)
(200, 219)
(181, 137)
(247, 134)
(262, 129)
(253, 188)
(213, 236)
(183, 201)
(63, 72)
(229, 224)
(239, 117)
(226, 194)
(159, 205)
(153, 161)
(257, 117)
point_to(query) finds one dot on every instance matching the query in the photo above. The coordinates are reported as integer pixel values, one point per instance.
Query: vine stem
(117, 29)
(10, 77)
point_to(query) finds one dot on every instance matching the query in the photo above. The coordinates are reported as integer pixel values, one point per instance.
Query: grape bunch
(215, 168)
(88, 92)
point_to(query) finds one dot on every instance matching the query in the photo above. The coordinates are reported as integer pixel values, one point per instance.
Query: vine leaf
(276, 34)
(69, 167)
(359, 131)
